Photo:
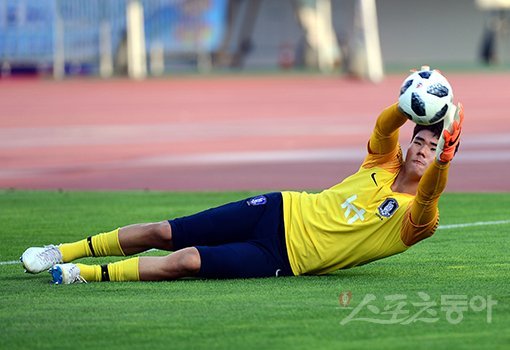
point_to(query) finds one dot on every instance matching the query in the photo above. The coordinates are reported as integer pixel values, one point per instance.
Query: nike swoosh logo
(373, 178)
(452, 142)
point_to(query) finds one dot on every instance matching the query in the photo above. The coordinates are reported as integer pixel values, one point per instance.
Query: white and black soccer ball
(425, 96)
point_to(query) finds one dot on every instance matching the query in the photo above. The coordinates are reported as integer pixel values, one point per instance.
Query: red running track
(226, 133)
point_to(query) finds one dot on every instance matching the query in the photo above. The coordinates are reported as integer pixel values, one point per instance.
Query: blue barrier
(29, 28)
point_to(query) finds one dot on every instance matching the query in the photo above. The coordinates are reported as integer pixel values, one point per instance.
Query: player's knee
(189, 261)
(162, 230)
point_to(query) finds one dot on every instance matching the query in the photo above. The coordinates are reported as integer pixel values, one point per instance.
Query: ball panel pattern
(425, 74)
(438, 90)
(417, 104)
(406, 86)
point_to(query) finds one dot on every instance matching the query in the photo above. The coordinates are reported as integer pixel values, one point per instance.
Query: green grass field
(471, 262)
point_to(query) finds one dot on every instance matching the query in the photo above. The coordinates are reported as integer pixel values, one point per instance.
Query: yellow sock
(91, 273)
(73, 251)
(125, 270)
(103, 244)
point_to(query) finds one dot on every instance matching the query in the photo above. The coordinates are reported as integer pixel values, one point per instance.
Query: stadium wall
(411, 32)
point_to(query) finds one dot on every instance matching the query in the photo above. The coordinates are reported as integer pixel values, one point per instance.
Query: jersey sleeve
(422, 216)
(383, 148)
(384, 138)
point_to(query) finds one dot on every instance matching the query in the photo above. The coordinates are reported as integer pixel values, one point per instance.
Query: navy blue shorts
(242, 239)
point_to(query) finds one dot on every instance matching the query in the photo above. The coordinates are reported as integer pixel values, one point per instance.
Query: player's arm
(422, 217)
(384, 138)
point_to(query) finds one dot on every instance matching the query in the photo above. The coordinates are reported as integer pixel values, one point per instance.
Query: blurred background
(103, 38)
(235, 94)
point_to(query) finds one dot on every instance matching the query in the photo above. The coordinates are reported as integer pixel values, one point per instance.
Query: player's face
(421, 153)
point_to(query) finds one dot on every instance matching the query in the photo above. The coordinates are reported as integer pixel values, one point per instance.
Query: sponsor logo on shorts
(259, 200)
(388, 207)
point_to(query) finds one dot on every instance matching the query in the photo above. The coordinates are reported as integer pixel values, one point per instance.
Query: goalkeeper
(387, 206)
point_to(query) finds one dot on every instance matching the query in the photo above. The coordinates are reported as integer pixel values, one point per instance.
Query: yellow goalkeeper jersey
(356, 221)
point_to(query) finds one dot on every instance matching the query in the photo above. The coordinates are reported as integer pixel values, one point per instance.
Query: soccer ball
(425, 96)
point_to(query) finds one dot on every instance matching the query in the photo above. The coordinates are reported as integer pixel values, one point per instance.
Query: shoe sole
(56, 275)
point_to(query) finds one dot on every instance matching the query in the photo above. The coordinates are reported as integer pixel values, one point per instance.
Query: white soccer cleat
(37, 259)
(66, 274)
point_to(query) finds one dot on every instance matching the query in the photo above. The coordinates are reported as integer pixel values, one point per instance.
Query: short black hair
(436, 129)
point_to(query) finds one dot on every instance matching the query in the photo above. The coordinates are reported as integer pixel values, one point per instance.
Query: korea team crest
(388, 207)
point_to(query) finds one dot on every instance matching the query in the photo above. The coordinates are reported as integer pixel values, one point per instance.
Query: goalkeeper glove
(450, 136)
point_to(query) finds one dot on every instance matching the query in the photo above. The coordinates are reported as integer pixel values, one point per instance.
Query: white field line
(471, 224)
(13, 262)
(441, 227)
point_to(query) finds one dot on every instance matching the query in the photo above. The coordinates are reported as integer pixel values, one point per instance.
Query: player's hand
(450, 136)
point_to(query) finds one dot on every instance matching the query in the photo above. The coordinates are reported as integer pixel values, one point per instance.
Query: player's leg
(138, 238)
(228, 223)
(264, 255)
(183, 263)
(231, 222)
(127, 240)
(234, 260)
